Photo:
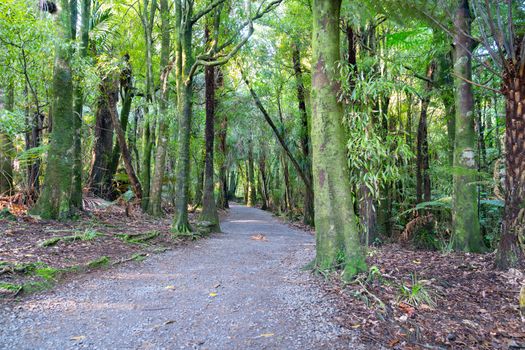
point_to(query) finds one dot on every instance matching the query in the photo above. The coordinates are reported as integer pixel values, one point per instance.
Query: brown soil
(21, 242)
(476, 307)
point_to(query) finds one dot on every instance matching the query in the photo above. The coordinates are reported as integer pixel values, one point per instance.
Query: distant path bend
(225, 292)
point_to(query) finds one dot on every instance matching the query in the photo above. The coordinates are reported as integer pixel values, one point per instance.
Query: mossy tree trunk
(423, 190)
(155, 204)
(466, 233)
(6, 146)
(78, 99)
(335, 222)
(148, 134)
(55, 201)
(209, 207)
(185, 99)
(251, 199)
(308, 217)
(222, 200)
(100, 175)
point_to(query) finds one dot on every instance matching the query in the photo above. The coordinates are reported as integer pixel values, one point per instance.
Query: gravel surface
(225, 292)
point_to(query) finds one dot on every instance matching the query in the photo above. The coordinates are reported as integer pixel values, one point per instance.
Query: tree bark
(100, 175)
(6, 146)
(155, 205)
(308, 218)
(510, 253)
(335, 221)
(55, 201)
(466, 233)
(423, 192)
(209, 208)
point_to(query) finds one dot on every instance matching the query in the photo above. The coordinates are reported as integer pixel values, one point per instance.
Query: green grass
(138, 238)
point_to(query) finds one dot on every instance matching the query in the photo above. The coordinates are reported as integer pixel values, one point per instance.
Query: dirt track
(226, 292)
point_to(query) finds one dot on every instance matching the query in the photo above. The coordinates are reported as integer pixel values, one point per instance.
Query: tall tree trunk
(222, 200)
(252, 192)
(209, 209)
(148, 136)
(155, 205)
(308, 218)
(6, 146)
(126, 155)
(335, 221)
(423, 193)
(509, 253)
(78, 99)
(466, 234)
(100, 176)
(126, 92)
(185, 96)
(55, 202)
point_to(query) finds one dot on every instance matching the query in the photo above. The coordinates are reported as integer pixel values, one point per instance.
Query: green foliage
(416, 292)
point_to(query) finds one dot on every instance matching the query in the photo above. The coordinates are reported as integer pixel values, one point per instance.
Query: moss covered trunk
(155, 200)
(100, 175)
(185, 99)
(251, 198)
(55, 201)
(209, 207)
(466, 234)
(6, 146)
(335, 222)
(308, 217)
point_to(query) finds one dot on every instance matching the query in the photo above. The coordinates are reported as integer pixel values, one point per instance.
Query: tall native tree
(56, 200)
(335, 221)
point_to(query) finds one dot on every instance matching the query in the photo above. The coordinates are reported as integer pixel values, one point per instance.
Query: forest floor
(241, 289)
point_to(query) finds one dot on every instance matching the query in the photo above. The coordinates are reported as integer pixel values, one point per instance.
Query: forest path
(263, 299)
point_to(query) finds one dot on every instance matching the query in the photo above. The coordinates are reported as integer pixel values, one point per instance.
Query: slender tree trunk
(100, 176)
(222, 200)
(288, 198)
(509, 253)
(6, 146)
(126, 156)
(155, 205)
(185, 96)
(55, 201)
(78, 99)
(308, 218)
(423, 193)
(335, 221)
(126, 91)
(465, 222)
(252, 192)
(209, 209)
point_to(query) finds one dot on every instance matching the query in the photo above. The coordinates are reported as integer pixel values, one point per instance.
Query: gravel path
(225, 292)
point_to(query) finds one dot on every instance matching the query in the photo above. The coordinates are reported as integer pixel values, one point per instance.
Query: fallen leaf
(169, 287)
(169, 322)
(259, 237)
(356, 326)
(217, 285)
(213, 294)
(266, 335)
(78, 337)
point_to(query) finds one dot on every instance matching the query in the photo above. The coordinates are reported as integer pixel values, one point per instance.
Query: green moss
(100, 262)
(10, 287)
(140, 238)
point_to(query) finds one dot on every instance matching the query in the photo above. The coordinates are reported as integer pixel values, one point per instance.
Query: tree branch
(207, 10)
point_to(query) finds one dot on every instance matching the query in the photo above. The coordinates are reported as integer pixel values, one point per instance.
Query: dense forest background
(179, 105)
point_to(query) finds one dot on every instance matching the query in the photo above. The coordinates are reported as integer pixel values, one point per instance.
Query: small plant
(90, 234)
(415, 293)
(374, 274)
